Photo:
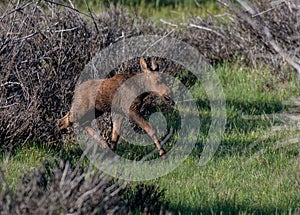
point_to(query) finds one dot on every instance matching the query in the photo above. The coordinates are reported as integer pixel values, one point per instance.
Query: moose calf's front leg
(146, 126)
(94, 135)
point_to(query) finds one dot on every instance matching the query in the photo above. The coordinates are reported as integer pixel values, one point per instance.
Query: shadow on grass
(239, 131)
(231, 208)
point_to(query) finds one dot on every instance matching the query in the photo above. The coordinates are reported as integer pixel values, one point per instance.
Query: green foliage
(177, 11)
(233, 185)
(141, 3)
(23, 160)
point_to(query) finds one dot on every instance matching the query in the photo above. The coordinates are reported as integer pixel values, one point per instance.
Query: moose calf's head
(155, 81)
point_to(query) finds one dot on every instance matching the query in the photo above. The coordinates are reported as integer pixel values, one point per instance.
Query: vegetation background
(45, 45)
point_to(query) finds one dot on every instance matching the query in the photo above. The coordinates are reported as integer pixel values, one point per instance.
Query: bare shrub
(43, 54)
(248, 32)
(43, 49)
(62, 188)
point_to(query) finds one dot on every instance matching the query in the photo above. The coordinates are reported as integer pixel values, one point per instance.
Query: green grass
(178, 14)
(248, 174)
(231, 184)
(242, 178)
(171, 11)
(24, 160)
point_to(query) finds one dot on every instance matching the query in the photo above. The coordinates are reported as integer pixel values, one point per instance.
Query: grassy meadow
(248, 174)
(171, 11)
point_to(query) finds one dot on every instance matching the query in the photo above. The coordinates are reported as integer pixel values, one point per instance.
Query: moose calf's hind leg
(64, 122)
(93, 134)
(117, 122)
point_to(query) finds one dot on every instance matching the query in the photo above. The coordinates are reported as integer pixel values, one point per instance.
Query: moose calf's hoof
(113, 146)
(162, 154)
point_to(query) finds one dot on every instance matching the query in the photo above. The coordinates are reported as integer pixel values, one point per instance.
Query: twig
(28, 36)
(206, 29)
(9, 83)
(63, 30)
(168, 23)
(71, 3)
(17, 9)
(67, 6)
(153, 44)
(92, 16)
(275, 5)
(8, 106)
(197, 4)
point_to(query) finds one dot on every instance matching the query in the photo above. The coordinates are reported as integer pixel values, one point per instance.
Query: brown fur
(97, 95)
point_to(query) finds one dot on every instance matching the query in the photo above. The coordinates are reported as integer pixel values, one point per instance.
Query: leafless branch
(268, 35)
(91, 15)
(206, 29)
(168, 23)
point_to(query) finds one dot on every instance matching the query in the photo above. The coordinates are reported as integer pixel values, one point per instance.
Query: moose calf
(96, 96)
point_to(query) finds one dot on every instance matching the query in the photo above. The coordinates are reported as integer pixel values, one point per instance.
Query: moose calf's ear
(154, 65)
(143, 65)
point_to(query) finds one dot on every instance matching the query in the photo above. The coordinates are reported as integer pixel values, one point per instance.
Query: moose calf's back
(97, 94)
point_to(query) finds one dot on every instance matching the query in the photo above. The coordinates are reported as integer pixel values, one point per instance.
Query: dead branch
(269, 38)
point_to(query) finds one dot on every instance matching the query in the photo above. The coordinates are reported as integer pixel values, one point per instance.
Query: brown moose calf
(97, 96)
